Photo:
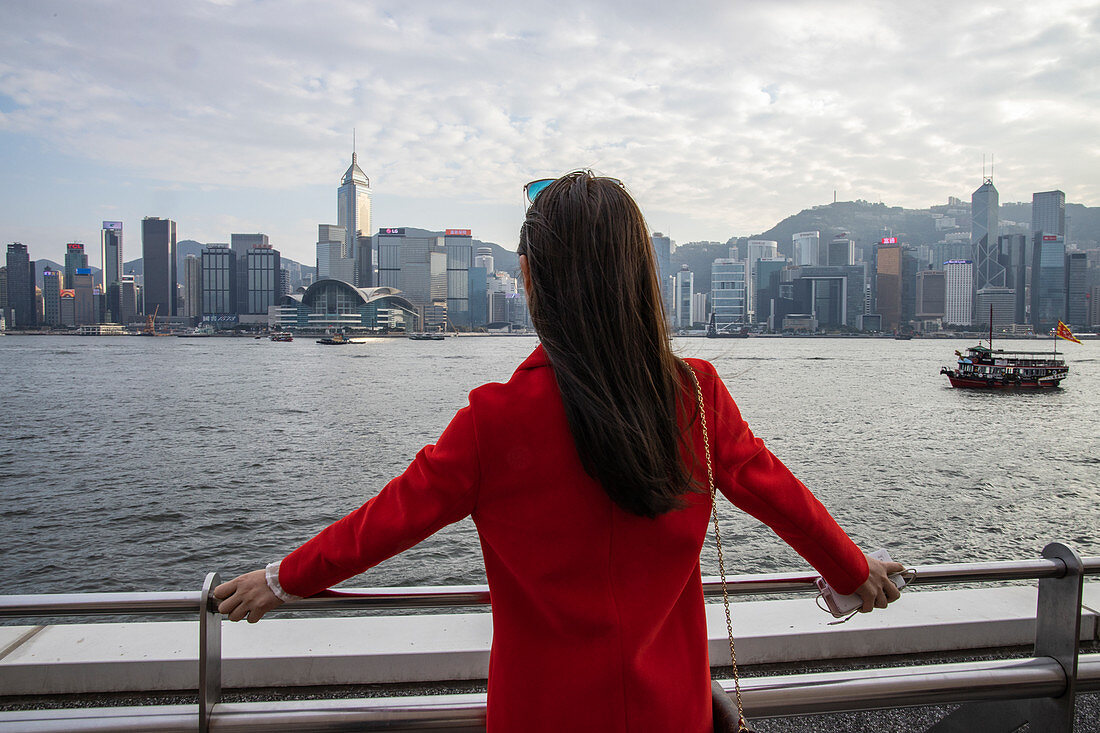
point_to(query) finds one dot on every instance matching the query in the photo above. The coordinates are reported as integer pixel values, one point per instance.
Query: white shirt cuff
(271, 575)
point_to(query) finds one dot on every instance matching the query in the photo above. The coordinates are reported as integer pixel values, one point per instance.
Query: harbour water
(143, 463)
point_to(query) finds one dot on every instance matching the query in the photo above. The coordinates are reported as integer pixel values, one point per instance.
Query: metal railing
(996, 695)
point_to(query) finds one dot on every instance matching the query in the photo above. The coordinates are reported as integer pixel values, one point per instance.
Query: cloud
(730, 115)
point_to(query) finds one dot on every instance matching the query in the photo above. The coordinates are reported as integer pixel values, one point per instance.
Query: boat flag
(1063, 332)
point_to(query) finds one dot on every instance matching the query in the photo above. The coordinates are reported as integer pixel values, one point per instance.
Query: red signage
(1046, 238)
(458, 232)
(889, 240)
(76, 246)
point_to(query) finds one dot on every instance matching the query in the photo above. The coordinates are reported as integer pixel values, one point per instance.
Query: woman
(586, 478)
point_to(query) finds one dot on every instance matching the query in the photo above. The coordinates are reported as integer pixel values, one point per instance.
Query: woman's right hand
(878, 590)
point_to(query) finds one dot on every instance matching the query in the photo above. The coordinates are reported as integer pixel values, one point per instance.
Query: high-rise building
(998, 302)
(1013, 248)
(766, 287)
(1077, 282)
(684, 317)
(832, 296)
(192, 287)
(931, 294)
(1048, 281)
(68, 307)
(353, 212)
(727, 294)
(75, 259)
(219, 276)
(415, 262)
(888, 282)
(110, 252)
(479, 296)
(662, 248)
(158, 254)
(127, 300)
(484, 258)
(51, 297)
(22, 306)
(984, 208)
(241, 245)
(807, 248)
(1048, 213)
(83, 285)
(263, 268)
(756, 250)
(842, 250)
(460, 257)
(364, 262)
(958, 292)
(333, 259)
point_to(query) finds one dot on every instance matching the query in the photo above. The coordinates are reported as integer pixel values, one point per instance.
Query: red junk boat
(984, 368)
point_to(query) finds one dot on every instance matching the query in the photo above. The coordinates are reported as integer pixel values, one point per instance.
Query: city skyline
(720, 120)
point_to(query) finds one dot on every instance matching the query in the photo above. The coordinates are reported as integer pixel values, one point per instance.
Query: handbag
(726, 718)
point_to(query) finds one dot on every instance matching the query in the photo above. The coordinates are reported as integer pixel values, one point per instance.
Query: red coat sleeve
(757, 482)
(438, 488)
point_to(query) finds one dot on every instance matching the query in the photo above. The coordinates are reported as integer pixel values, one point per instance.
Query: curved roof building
(330, 303)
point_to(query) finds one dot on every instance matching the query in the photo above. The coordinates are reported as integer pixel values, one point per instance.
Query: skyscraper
(242, 244)
(842, 250)
(888, 282)
(75, 259)
(727, 293)
(684, 288)
(959, 292)
(1077, 282)
(219, 275)
(984, 207)
(158, 253)
(21, 288)
(192, 287)
(110, 252)
(263, 263)
(83, 285)
(1048, 213)
(460, 257)
(1048, 281)
(807, 248)
(931, 294)
(662, 248)
(51, 297)
(353, 210)
(757, 249)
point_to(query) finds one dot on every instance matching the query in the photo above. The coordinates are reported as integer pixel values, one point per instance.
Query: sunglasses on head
(534, 188)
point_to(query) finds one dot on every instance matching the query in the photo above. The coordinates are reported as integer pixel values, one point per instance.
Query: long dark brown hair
(595, 301)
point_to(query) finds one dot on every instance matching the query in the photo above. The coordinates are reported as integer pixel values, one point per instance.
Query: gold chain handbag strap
(741, 724)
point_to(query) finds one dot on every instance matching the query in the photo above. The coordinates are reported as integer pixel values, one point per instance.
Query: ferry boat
(335, 340)
(426, 337)
(983, 368)
(282, 336)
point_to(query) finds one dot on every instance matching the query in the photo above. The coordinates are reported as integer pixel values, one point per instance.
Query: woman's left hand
(246, 596)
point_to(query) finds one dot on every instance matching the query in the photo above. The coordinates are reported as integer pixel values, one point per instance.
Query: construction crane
(151, 323)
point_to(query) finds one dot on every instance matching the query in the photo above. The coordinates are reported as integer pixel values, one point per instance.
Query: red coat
(598, 620)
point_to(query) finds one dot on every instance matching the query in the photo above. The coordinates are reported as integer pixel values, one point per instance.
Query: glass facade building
(51, 297)
(263, 268)
(219, 277)
(728, 294)
(1048, 281)
(460, 258)
(22, 305)
(110, 250)
(353, 214)
(158, 254)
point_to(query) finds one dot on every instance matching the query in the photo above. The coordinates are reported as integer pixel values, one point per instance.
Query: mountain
(867, 223)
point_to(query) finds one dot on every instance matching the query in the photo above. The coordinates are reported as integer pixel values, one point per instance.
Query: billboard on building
(116, 225)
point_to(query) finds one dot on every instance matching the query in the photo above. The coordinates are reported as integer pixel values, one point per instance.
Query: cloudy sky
(721, 117)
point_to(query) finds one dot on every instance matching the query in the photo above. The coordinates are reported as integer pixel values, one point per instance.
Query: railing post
(210, 652)
(1058, 635)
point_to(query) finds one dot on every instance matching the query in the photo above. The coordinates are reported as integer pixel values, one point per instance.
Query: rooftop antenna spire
(353, 145)
(991, 158)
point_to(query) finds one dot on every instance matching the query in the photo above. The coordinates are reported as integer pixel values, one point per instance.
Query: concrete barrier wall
(140, 657)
